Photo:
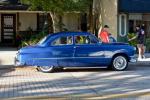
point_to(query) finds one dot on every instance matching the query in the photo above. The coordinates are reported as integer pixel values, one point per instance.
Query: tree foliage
(55, 8)
(58, 6)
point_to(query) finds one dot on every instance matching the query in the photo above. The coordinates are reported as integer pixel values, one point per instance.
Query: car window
(93, 40)
(84, 40)
(64, 40)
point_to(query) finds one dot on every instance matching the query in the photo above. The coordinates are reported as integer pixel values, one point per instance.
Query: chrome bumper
(133, 59)
(17, 63)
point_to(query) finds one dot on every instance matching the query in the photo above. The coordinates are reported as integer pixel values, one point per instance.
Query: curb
(139, 63)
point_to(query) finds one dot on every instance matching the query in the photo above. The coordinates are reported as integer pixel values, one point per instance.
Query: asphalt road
(98, 84)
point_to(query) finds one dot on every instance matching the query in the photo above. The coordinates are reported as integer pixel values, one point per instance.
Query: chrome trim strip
(84, 67)
(69, 58)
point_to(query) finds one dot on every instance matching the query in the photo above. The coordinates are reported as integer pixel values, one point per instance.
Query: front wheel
(119, 63)
(45, 69)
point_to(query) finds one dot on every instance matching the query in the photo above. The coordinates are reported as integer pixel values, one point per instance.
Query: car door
(62, 49)
(88, 52)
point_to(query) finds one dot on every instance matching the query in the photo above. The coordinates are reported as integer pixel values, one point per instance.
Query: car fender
(121, 52)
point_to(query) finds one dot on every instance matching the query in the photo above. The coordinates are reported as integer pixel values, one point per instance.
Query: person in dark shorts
(140, 36)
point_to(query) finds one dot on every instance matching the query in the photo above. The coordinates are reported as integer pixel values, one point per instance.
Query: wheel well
(120, 54)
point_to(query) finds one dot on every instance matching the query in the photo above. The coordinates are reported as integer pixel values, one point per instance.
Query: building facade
(133, 13)
(15, 19)
(123, 15)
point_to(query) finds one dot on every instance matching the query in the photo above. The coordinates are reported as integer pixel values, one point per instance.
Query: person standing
(143, 28)
(104, 35)
(140, 36)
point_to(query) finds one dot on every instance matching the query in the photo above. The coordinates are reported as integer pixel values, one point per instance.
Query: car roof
(70, 33)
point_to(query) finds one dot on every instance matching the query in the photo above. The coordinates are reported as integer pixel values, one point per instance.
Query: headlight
(18, 51)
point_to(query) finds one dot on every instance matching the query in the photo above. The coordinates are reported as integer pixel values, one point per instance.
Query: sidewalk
(7, 57)
(144, 62)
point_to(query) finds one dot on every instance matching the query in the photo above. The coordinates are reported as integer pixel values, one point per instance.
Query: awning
(8, 1)
(13, 7)
(134, 6)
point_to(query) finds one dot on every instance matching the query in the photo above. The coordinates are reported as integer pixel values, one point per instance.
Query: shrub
(133, 42)
(148, 44)
(34, 39)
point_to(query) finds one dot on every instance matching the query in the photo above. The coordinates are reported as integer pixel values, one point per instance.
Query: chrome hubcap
(120, 63)
(46, 68)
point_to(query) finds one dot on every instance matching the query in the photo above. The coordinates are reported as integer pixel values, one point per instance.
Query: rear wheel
(119, 63)
(45, 69)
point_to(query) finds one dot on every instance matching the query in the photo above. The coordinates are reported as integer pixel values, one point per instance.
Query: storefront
(132, 13)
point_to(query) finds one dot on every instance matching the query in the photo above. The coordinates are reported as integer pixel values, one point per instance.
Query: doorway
(8, 29)
(84, 22)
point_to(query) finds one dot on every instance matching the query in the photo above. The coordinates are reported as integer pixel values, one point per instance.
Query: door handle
(76, 46)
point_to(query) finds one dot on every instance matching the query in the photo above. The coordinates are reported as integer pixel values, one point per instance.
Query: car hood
(32, 48)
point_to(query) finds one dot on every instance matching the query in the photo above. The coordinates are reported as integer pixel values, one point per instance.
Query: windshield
(93, 37)
(42, 40)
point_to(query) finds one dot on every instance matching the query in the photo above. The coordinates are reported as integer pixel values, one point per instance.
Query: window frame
(84, 43)
(122, 26)
(61, 44)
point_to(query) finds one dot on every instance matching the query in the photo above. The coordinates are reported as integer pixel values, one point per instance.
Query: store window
(131, 26)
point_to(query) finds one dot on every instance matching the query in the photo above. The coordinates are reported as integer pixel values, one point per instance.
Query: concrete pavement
(143, 62)
(94, 84)
(7, 57)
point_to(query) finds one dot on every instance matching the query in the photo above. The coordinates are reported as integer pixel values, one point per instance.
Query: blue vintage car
(75, 50)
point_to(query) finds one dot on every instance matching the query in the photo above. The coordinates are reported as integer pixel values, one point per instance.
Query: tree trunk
(56, 22)
(91, 23)
(50, 24)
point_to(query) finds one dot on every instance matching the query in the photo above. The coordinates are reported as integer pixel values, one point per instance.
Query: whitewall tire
(119, 63)
(45, 69)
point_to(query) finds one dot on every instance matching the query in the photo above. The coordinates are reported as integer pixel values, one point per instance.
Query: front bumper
(17, 62)
(133, 59)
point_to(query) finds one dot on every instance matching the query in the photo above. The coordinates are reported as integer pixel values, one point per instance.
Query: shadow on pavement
(82, 70)
(130, 68)
(76, 85)
(4, 69)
